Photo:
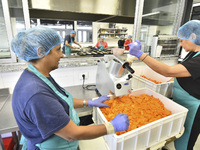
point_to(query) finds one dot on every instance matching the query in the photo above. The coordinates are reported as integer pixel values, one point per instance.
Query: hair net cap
(130, 36)
(35, 43)
(73, 32)
(121, 37)
(102, 37)
(190, 31)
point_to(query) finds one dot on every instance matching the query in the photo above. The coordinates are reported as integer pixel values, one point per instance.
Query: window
(158, 19)
(4, 43)
(62, 27)
(84, 32)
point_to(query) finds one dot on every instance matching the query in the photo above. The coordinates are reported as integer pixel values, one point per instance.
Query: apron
(192, 104)
(68, 49)
(55, 142)
(101, 47)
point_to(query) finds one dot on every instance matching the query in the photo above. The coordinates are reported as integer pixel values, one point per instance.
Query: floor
(94, 144)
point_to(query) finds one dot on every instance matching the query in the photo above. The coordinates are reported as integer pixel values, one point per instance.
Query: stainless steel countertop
(7, 119)
(80, 93)
(8, 123)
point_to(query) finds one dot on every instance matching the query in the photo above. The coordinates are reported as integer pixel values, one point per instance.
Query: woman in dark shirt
(121, 42)
(186, 90)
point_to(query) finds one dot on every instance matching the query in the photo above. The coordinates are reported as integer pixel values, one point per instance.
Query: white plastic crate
(150, 134)
(165, 88)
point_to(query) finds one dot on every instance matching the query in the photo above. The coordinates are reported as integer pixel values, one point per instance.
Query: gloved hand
(99, 102)
(120, 122)
(135, 49)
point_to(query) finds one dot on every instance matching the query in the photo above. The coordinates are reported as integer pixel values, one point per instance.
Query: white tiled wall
(64, 77)
(67, 76)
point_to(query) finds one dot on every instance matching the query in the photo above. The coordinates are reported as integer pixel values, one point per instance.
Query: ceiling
(115, 11)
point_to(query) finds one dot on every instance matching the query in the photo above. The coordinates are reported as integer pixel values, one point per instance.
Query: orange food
(157, 82)
(141, 110)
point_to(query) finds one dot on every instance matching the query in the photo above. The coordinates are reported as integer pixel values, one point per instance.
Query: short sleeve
(67, 38)
(47, 113)
(106, 44)
(193, 66)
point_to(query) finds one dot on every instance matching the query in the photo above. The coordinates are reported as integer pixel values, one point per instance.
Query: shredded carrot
(141, 110)
(157, 82)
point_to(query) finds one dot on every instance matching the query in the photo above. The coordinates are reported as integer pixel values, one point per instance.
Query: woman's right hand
(120, 122)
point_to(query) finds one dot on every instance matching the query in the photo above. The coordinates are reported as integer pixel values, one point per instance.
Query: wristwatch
(84, 103)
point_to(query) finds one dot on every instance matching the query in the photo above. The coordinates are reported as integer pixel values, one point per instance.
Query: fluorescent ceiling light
(150, 14)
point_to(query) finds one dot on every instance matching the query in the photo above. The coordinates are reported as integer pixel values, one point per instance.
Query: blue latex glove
(120, 122)
(135, 49)
(99, 102)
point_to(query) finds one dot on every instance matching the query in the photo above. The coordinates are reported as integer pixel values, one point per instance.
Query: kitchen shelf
(111, 33)
(112, 29)
(107, 33)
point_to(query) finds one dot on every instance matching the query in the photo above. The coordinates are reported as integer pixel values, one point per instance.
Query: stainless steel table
(7, 120)
(80, 93)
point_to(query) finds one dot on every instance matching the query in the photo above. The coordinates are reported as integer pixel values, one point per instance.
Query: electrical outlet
(83, 73)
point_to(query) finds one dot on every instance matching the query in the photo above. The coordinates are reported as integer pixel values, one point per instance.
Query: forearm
(67, 44)
(73, 132)
(90, 132)
(78, 103)
(156, 65)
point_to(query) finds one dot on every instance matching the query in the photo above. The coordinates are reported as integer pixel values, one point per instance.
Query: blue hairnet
(190, 31)
(102, 37)
(35, 43)
(73, 32)
(130, 36)
(121, 37)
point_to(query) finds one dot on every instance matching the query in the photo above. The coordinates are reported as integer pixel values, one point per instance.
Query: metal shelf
(107, 33)
(112, 29)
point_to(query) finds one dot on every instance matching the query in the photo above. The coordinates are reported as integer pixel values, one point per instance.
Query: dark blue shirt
(68, 38)
(39, 112)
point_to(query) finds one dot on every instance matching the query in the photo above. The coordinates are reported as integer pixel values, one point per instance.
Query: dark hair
(33, 60)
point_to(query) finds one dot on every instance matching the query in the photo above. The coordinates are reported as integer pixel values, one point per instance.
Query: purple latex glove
(120, 122)
(99, 102)
(135, 49)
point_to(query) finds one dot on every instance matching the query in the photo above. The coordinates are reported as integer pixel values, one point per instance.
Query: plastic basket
(150, 134)
(165, 88)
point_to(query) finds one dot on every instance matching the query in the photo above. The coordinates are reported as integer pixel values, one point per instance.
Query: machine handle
(126, 65)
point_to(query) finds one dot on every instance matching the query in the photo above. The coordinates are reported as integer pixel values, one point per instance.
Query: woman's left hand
(99, 102)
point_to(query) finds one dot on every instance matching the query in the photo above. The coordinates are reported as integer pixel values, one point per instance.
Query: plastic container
(150, 134)
(117, 51)
(165, 88)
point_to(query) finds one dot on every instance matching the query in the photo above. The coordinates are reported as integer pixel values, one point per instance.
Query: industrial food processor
(113, 76)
